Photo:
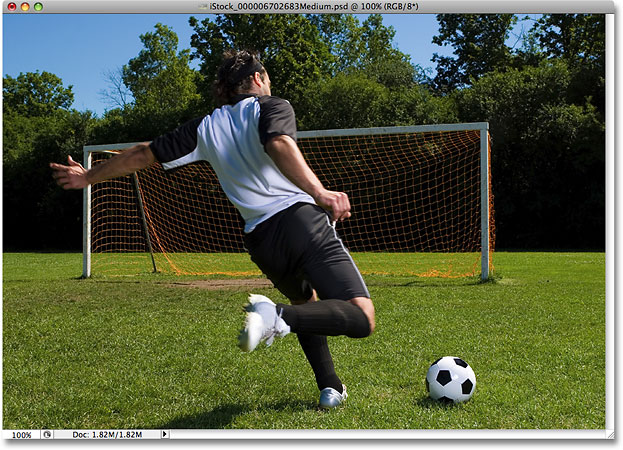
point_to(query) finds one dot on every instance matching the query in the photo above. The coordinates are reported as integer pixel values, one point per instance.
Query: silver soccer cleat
(330, 398)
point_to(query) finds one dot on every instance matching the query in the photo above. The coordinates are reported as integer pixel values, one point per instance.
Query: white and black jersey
(232, 140)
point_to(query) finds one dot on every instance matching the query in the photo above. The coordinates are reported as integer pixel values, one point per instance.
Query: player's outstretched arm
(74, 176)
(289, 159)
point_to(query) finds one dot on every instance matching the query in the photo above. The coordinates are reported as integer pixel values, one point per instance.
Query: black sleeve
(177, 143)
(276, 118)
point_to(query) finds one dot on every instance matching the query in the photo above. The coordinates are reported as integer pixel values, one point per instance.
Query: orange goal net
(421, 206)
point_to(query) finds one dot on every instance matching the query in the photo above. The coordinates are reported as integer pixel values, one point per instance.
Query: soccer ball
(451, 380)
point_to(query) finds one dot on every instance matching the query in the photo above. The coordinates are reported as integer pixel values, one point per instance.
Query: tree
(117, 95)
(345, 101)
(35, 94)
(380, 60)
(579, 40)
(366, 48)
(342, 36)
(162, 84)
(547, 159)
(576, 38)
(39, 127)
(301, 50)
(31, 104)
(530, 52)
(314, 60)
(479, 42)
(289, 46)
(367, 103)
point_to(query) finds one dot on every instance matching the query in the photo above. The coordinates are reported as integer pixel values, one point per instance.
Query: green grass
(217, 265)
(139, 352)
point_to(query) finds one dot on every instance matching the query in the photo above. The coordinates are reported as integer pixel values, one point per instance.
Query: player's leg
(305, 236)
(301, 243)
(316, 350)
(366, 305)
(330, 268)
(316, 347)
(332, 317)
(263, 323)
(277, 262)
(346, 307)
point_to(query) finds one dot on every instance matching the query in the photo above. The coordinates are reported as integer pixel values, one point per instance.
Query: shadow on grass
(223, 416)
(425, 402)
(424, 283)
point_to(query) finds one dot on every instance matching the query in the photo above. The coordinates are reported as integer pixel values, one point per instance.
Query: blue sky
(80, 48)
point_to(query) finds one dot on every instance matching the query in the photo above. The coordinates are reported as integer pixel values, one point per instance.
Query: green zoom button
(38, 6)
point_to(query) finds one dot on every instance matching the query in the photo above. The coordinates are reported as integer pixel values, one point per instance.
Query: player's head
(236, 75)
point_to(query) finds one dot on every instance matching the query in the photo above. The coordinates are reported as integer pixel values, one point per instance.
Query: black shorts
(299, 250)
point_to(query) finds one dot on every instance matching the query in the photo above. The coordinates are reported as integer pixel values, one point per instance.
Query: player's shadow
(222, 416)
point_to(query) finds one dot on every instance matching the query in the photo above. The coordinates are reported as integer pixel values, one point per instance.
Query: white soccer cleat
(330, 398)
(261, 324)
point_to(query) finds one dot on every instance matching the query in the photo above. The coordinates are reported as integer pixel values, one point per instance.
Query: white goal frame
(483, 127)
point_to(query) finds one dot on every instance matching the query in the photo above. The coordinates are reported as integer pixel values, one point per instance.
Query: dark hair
(234, 74)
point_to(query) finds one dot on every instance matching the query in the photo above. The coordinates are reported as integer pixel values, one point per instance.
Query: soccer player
(289, 216)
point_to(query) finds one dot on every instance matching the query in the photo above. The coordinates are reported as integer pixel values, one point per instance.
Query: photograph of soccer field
(438, 181)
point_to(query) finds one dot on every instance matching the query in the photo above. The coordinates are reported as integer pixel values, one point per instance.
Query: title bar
(305, 7)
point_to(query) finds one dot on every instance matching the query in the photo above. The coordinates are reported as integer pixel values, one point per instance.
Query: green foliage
(37, 214)
(342, 35)
(163, 85)
(479, 44)
(418, 105)
(370, 83)
(579, 40)
(546, 112)
(356, 101)
(37, 129)
(303, 50)
(576, 38)
(367, 49)
(35, 94)
(548, 164)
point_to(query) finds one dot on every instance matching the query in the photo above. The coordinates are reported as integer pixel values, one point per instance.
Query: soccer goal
(421, 206)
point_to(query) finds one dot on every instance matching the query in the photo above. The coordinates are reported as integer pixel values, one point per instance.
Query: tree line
(544, 100)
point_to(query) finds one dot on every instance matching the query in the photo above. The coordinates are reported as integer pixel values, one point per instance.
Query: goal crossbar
(395, 130)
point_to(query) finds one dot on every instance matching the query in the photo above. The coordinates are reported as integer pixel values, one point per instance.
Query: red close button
(12, 6)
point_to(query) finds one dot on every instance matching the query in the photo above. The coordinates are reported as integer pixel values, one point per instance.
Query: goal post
(420, 195)
(485, 203)
(86, 219)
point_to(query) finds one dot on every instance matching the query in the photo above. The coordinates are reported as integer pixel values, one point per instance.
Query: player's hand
(71, 176)
(335, 202)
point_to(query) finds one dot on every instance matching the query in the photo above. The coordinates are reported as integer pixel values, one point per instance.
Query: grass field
(144, 352)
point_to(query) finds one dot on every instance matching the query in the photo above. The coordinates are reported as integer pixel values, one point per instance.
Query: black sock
(316, 350)
(326, 318)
